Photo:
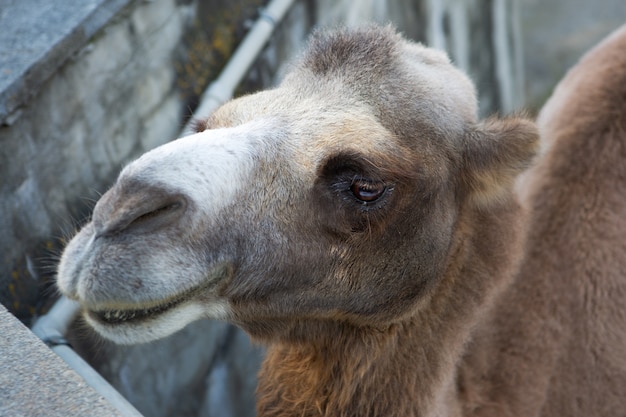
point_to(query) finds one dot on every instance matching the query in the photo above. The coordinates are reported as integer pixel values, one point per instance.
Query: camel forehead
(389, 72)
(307, 132)
(345, 134)
(405, 84)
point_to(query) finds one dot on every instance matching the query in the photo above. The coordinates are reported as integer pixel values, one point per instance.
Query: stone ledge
(37, 37)
(35, 382)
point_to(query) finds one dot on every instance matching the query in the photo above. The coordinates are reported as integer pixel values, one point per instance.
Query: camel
(395, 253)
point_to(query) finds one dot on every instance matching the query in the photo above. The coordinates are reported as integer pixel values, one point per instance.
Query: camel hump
(589, 104)
(583, 133)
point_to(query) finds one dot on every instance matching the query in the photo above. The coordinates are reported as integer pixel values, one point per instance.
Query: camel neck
(362, 372)
(406, 369)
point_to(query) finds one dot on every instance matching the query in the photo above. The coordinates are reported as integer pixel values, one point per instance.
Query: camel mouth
(137, 314)
(114, 317)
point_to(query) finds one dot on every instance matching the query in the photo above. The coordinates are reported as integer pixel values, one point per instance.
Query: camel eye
(367, 191)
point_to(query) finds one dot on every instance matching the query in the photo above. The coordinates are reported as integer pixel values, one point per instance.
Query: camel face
(335, 196)
(264, 219)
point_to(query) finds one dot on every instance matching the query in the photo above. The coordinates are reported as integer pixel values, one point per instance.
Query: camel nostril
(138, 213)
(158, 212)
(153, 216)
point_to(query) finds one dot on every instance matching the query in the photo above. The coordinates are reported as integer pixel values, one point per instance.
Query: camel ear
(496, 152)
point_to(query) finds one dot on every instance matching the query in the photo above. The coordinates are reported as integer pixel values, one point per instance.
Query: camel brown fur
(362, 222)
(555, 345)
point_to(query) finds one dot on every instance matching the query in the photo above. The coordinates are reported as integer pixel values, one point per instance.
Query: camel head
(334, 197)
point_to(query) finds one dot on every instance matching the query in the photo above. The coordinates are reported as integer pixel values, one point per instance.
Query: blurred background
(86, 86)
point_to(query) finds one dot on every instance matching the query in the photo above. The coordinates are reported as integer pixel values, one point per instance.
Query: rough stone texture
(40, 36)
(35, 382)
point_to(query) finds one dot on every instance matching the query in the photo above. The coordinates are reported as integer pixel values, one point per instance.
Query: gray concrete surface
(35, 382)
(38, 36)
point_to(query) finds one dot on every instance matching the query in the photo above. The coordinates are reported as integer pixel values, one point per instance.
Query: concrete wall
(36, 382)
